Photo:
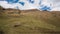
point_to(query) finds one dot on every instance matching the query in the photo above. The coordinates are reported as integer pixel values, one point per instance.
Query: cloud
(26, 6)
(31, 4)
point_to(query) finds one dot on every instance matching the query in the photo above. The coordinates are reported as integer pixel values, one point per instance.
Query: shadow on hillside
(1, 32)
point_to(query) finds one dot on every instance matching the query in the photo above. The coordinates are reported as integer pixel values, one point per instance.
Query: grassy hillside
(31, 22)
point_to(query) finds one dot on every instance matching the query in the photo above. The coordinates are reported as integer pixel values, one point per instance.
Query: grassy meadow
(32, 22)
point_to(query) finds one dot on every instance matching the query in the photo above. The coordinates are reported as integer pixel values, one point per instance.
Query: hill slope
(31, 22)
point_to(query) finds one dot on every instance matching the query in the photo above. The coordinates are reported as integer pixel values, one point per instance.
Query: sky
(49, 5)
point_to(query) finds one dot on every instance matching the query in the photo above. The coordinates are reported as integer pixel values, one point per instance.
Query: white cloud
(25, 7)
(55, 4)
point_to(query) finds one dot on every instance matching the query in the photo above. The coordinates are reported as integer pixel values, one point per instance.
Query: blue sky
(12, 1)
(53, 5)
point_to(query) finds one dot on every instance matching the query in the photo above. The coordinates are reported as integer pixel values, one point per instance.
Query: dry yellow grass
(31, 22)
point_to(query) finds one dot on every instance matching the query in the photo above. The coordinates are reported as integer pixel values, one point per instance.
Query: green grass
(28, 24)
